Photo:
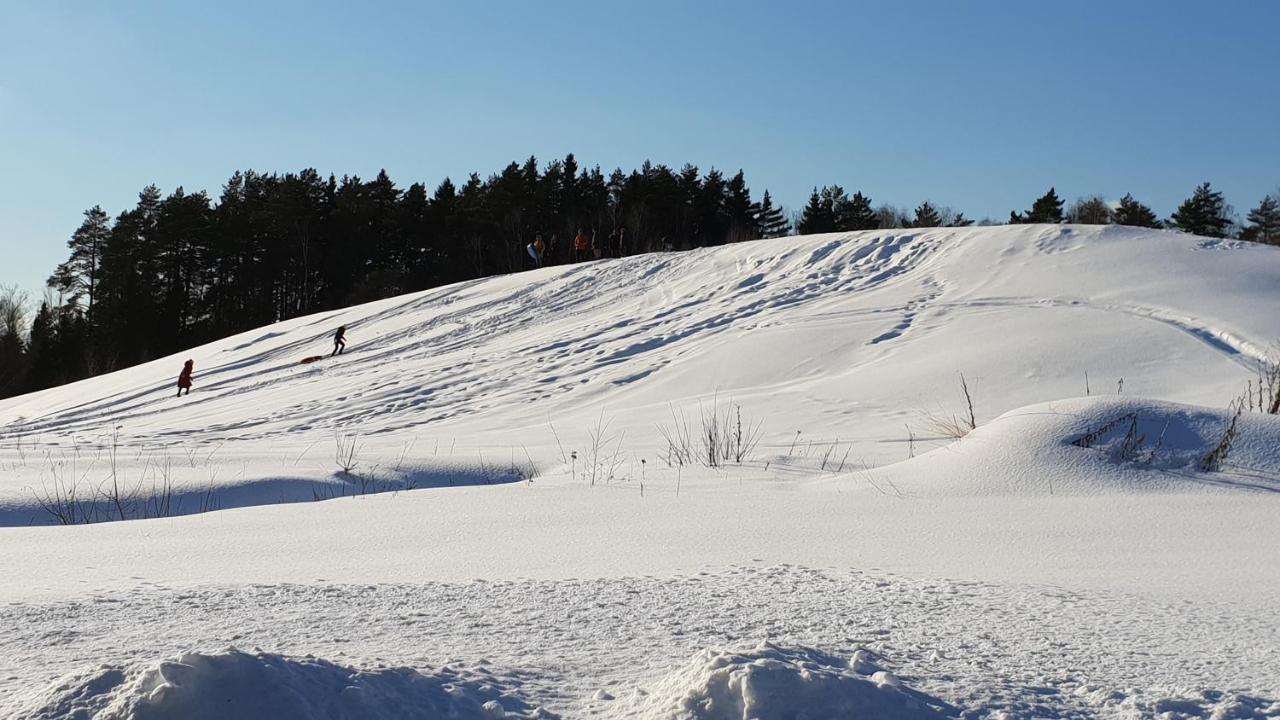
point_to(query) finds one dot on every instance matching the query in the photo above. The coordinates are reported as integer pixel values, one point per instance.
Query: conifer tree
(818, 215)
(1133, 213)
(1205, 213)
(856, 213)
(1047, 209)
(78, 276)
(926, 216)
(770, 217)
(1264, 222)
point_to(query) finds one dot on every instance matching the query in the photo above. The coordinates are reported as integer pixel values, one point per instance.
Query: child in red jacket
(184, 379)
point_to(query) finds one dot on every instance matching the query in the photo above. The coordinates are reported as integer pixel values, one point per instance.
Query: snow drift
(776, 683)
(249, 686)
(1098, 445)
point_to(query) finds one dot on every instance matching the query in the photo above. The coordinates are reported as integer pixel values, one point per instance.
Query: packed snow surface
(522, 514)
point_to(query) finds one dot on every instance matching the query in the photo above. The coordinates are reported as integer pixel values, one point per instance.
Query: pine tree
(1204, 213)
(1264, 222)
(818, 215)
(926, 216)
(1047, 209)
(739, 210)
(960, 221)
(79, 274)
(1133, 213)
(856, 213)
(770, 217)
(42, 358)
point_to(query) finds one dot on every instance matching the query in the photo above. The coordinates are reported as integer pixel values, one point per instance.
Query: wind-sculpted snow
(1101, 445)
(770, 682)
(253, 686)
(846, 338)
(529, 502)
(751, 641)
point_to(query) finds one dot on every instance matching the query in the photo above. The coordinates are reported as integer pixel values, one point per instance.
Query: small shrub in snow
(1212, 462)
(346, 451)
(724, 437)
(1265, 395)
(952, 426)
(604, 451)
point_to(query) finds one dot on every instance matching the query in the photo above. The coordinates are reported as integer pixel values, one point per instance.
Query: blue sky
(977, 105)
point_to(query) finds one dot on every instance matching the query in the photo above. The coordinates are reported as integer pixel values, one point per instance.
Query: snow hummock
(1095, 446)
(771, 682)
(252, 686)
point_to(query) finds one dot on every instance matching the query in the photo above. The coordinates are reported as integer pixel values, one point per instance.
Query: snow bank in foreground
(260, 685)
(776, 683)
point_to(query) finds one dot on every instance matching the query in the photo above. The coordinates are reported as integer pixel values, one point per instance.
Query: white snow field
(519, 516)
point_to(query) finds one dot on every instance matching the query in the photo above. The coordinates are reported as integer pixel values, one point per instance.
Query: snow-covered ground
(517, 530)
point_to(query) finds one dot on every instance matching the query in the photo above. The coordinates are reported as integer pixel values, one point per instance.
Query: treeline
(180, 270)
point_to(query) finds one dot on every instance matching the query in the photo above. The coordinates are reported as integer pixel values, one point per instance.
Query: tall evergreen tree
(739, 211)
(926, 216)
(773, 223)
(1264, 222)
(78, 276)
(818, 215)
(1046, 209)
(856, 213)
(1205, 213)
(1131, 212)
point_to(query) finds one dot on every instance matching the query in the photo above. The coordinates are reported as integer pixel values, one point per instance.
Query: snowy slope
(842, 338)
(1068, 558)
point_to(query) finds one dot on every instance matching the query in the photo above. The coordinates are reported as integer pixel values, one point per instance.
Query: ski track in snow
(593, 339)
(615, 323)
(1025, 650)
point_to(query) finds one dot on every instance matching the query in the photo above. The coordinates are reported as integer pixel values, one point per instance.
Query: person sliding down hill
(184, 378)
(339, 341)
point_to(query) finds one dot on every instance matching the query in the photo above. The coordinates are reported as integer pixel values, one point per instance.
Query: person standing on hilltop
(339, 341)
(581, 247)
(611, 242)
(184, 378)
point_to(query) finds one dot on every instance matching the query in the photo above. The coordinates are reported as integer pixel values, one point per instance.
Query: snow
(262, 685)
(770, 681)
(505, 524)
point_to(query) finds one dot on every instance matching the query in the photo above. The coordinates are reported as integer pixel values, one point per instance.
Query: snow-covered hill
(824, 339)
(1100, 362)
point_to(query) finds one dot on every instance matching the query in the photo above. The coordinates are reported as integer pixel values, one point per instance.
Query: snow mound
(777, 683)
(1097, 445)
(260, 685)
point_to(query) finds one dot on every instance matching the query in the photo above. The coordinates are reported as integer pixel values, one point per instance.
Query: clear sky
(977, 105)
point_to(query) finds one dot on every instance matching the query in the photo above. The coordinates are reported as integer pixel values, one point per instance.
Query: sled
(312, 359)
